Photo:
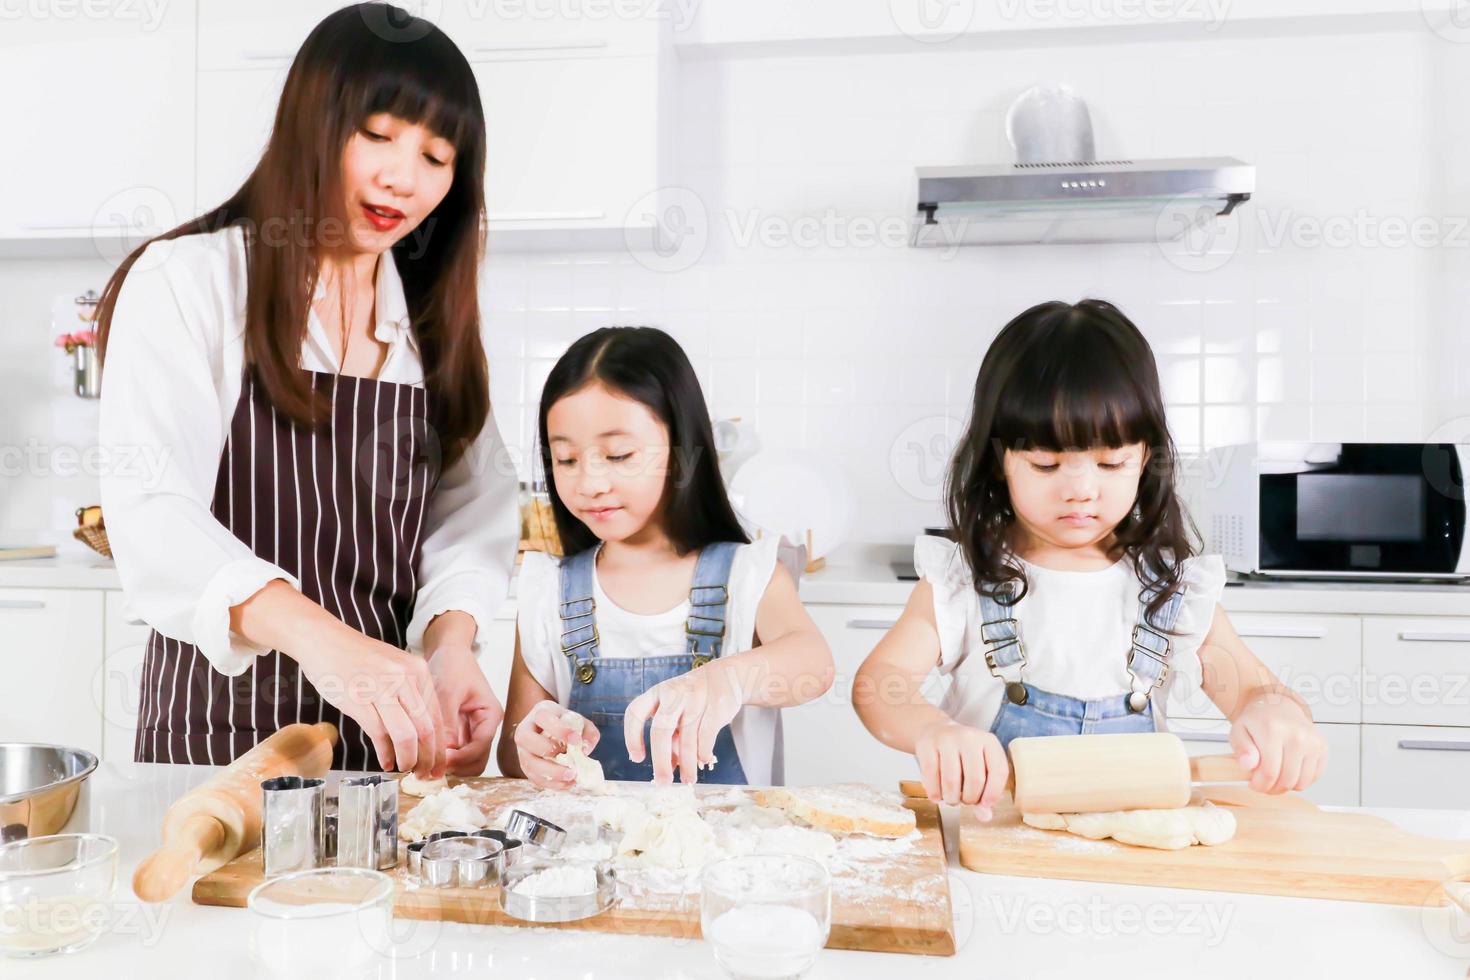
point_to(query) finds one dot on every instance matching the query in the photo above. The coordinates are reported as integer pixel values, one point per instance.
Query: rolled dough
(1167, 830)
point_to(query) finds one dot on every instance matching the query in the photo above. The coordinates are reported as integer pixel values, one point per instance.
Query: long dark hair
(361, 60)
(1064, 377)
(648, 366)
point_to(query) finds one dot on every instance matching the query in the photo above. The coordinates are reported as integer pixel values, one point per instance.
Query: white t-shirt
(626, 635)
(1076, 628)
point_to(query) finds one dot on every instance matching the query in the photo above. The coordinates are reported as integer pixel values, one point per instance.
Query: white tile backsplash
(856, 350)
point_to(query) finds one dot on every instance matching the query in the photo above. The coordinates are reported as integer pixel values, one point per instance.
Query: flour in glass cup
(766, 942)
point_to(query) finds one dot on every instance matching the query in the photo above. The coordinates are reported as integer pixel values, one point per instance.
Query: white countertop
(862, 575)
(1010, 927)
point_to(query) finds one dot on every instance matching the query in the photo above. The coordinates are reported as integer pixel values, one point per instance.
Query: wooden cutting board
(902, 906)
(1283, 845)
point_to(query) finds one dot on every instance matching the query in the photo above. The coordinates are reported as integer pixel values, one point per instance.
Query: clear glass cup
(55, 893)
(323, 923)
(766, 915)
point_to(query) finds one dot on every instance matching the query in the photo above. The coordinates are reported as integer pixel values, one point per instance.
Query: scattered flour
(561, 881)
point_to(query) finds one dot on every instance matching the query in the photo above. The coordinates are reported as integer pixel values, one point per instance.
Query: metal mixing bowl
(40, 787)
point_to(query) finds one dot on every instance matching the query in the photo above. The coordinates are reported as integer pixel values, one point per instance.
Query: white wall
(863, 354)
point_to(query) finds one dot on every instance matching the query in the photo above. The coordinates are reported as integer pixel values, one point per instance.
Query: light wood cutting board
(1283, 846)
(911, 914)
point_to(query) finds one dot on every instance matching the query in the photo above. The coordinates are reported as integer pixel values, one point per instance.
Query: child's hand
(1274, 737)
(960, 764)
(544, 734)
(688, 712)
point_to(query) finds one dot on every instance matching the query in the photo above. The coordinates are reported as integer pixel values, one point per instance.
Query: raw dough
(1167, 830)
(679, 839)
(588, 772)
(411, 785)
(448, 809)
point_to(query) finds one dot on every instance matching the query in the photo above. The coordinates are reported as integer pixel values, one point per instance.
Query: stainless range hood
(1089, 202)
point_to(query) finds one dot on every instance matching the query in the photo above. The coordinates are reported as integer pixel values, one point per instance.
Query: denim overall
(1028, 710)
(603, 687)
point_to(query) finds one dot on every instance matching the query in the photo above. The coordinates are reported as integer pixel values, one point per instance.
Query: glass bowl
(766, 915)
(326, 922)
(55, 893)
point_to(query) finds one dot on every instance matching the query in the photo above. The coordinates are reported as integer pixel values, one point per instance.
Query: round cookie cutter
(560, 908)
(535, 831)
(510, 847)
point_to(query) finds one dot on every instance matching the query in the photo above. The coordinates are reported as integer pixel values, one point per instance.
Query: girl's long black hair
(648, 366)
(1064, 377)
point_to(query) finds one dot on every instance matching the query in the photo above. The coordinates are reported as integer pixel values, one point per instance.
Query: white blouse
(627, 635)
(1076, 627)
(175, 359)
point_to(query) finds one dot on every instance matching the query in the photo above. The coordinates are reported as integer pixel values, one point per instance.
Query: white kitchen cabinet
(120, 682)
(53, 653)
(1416, 766)
(825, 740)
(261, 33)
(573, 144)
(536, 29)
(1319, 657)
(1416, 670)
(236, 111)
(1339, 785)
(106, 108)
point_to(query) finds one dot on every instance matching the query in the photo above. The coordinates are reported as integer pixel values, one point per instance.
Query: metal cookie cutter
(463, 862)
(531, 829)
(367, 822)
(416, 850)
(291, 836)
(509, 846)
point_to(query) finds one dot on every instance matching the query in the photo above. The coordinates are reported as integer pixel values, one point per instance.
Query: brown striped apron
(340, 508)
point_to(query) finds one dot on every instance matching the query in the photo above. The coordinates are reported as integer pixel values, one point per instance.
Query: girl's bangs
(1077, 395)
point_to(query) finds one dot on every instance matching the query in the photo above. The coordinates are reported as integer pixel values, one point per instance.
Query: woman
(308, 355)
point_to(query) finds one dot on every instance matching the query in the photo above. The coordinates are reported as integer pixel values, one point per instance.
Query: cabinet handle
(547, 216)
(871, 624)
(1286, 632)
(1434, 746)
(517, 47)
(1203, 737)
(59, 226)
(22, 604)
(266, 55)
(1414, 636)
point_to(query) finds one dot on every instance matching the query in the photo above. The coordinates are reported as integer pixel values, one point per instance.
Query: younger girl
(1070, 601)
(661, 611)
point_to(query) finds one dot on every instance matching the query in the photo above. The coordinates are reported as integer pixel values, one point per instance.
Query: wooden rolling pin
(1136, 771)
(1090, 773)
(217, 821)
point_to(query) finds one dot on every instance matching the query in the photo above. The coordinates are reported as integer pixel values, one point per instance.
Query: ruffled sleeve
(1204, 581)
(940, 563)
(537, 596)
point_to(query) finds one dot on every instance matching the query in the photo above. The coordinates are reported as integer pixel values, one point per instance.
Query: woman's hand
(470, 709)
(1273, 737)
(688, 712)
(959, 764)
(543, 735)
(387, 691)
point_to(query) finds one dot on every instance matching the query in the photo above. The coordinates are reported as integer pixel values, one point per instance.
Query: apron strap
(999, 632)
(1148, 656)
(708, 596)
(578, 610)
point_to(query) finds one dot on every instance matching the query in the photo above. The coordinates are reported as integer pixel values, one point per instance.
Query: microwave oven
(1339, 510)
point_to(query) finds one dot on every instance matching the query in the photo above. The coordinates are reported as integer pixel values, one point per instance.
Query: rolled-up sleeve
(472, 528)
(162, 431)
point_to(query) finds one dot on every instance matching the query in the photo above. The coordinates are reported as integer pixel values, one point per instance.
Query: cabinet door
(825, 740)
(103, 112)
(53, 653)
(121, 679)
(572, 144)
(261, 33)
(1319, 657)
(1405, 766)
(1416, 670)
(1339, 785)
(236, 111)
(499, 31)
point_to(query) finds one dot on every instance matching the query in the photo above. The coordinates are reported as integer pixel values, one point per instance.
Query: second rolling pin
(1091, 773)
(220, 819)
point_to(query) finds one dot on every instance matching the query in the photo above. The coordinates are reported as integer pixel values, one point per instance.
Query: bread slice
(844, 808)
